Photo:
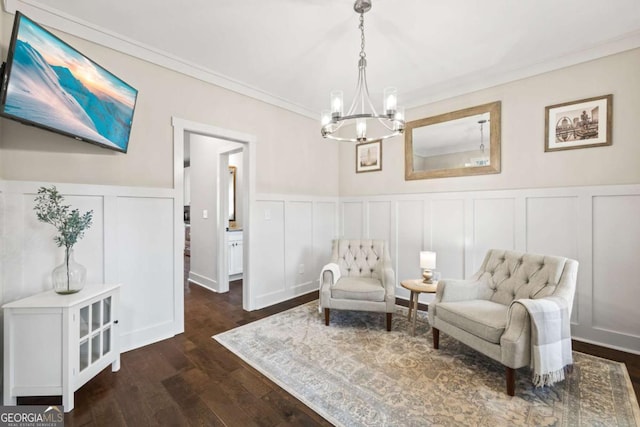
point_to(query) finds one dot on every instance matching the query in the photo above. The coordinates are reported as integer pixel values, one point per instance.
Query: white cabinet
(54, 344)
(234, 252)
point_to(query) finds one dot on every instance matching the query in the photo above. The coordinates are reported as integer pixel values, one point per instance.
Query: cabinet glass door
(106, 341)
(95, 315)
(106, 311)
(84, 354)
(95, 348)
(84, 321)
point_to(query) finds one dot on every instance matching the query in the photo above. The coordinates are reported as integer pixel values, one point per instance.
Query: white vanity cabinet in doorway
(235, 254)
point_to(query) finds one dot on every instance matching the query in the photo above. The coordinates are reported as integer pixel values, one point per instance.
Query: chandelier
(363, 123)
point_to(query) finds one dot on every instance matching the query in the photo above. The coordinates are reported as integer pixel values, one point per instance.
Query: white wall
(598, 226)
(130, 242)
(524, 162)
(293, 242)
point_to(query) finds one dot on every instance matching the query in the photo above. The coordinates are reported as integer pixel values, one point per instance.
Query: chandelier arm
(384, 122)
(354, 102)
(366, 93)
(368, 139)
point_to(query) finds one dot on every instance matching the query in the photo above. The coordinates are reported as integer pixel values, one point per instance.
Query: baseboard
(203, 281)
(143, 337)
(603, 345)
(285, 295)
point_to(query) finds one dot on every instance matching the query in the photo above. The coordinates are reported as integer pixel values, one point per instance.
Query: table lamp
(427, 262)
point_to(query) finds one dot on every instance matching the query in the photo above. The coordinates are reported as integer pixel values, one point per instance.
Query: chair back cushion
(360, 258)
(514, 275)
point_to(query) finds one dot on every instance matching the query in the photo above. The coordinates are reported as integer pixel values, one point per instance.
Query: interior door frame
(247, 141)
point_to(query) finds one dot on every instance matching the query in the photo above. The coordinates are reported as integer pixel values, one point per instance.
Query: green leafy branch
(70, 224)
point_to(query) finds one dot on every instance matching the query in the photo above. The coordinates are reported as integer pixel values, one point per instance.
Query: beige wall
(204, 196)
(288, 144)
(524, 162)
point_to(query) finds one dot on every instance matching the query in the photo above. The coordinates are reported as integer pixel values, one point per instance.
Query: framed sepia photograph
(369, 157)
(579, 124)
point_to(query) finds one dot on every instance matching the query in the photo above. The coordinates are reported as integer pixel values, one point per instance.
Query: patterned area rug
(356, 373)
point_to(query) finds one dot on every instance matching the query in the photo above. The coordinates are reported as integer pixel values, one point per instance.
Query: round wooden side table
(416, 286)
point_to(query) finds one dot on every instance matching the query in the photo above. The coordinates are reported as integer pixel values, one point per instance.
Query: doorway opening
(209, 211)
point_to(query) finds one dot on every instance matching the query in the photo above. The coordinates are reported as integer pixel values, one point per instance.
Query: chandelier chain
(361, 26)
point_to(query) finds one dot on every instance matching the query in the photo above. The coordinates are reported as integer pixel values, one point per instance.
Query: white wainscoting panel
(551, 228)
(616, 264)
(448, 236)
(2, 238)
(551, 225)
(493, 227)
(130, 242)
(379, 225)
(325, 229)
(30, 252)
(292, 234)
(409, 240)
(598, 226)
(268, 236)
(352, 220)
(299, 245)
(145, 269)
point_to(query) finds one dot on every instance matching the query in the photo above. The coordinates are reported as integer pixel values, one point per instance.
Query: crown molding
(489, 78)
(61, 21)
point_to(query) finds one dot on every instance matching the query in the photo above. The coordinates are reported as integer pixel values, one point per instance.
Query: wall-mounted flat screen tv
(49, 84)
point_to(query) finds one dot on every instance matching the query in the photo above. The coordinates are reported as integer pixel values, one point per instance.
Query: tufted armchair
(359, 277)
(479, 313)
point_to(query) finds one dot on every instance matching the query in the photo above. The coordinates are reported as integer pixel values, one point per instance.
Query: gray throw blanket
(550, 338)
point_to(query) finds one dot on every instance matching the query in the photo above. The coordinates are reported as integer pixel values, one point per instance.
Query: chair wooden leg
(511, 381)
(326, 316)
(569, 369)
(436, 338)
(389, 315)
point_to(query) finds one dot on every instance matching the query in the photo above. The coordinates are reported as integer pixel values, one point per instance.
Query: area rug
(355, 373)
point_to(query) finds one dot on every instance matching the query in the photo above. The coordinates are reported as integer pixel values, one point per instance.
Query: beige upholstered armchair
(487, 312)
(359, 277)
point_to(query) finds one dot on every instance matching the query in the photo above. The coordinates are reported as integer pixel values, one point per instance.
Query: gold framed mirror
(461, 143)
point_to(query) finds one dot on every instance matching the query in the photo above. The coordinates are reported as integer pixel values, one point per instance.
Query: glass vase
(69, 277)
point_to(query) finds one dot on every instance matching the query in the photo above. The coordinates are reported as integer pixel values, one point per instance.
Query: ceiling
(294, 52)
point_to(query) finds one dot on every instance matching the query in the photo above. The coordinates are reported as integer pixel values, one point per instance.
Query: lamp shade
(427, 259)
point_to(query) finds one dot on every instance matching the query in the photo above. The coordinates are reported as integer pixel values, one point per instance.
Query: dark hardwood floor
(193, 380)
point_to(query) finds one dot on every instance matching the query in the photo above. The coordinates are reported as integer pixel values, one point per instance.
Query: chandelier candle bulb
(398, 124)
(361, 129)
(336, 103)
(390, 101)
(325, 117)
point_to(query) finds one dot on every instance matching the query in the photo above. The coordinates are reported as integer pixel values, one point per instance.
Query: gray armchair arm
(516, 339)
(327, 275)
(327, 279)
(515, 342)
(389, 283)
